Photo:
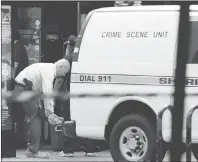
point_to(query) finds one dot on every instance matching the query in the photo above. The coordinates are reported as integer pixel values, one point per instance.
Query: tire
(139, 125)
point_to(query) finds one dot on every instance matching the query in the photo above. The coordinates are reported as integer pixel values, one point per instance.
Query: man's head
(70, 46)
(71, 40)
(62, 67)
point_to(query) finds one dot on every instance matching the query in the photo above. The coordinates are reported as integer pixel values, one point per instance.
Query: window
(193, 43)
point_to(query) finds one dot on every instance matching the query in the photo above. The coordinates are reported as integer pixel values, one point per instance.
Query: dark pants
(72, 144)
(18, 116)
(33, 120)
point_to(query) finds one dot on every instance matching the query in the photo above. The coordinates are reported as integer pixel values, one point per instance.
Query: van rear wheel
(133, 138)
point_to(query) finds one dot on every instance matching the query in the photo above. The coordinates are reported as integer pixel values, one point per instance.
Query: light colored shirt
(42, 76)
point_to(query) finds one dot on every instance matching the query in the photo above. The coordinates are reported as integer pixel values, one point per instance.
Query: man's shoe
(43, 155)
(62, 154)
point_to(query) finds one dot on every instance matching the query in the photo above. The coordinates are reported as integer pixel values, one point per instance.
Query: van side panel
(130, 36)
(127, 52)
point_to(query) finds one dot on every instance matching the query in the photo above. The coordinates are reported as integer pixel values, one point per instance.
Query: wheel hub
(135, 144)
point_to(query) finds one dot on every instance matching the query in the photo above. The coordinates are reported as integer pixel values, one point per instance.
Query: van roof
(140, 8)
(145, 8)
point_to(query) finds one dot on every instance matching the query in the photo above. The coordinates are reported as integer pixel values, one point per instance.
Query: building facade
(36, 22)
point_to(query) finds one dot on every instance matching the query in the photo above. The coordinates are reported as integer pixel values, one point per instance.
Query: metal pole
(179, 95)
(189, 133)
(78, 18)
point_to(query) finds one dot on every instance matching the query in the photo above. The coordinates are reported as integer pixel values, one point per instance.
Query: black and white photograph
(99, 81)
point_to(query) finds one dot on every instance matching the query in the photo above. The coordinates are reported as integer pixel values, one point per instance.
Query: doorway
(59, 21)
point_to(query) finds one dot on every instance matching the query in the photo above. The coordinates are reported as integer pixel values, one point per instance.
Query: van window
(142, 37)
(193, 41)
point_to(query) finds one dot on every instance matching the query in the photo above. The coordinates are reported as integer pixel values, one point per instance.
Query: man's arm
(49, 103)
(47, 85)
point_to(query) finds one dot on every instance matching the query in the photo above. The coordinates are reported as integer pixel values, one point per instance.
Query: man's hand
(55, 120)
(28, 83)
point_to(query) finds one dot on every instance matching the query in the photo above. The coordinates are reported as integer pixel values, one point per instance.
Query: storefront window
(6, 70)
(29, 26)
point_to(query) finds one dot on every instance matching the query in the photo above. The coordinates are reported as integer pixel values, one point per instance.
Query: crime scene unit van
(131, 49)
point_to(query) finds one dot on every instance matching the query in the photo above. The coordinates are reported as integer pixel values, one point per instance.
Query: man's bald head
(62, 67)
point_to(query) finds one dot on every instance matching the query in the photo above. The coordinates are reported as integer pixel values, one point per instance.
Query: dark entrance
(59, 21)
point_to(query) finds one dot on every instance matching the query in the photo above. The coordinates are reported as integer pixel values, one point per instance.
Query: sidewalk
(78, 156)
(104, 156)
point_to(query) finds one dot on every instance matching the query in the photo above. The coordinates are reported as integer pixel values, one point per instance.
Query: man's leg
(34, 134)
(70, 144)
(34, 124)
(89, 146)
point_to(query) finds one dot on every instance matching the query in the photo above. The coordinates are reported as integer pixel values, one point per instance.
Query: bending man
(40, 77)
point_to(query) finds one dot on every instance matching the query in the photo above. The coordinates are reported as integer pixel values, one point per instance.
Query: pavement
(104, 156)
(78, 156)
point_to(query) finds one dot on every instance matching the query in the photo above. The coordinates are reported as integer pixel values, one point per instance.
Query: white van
(130, 50)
